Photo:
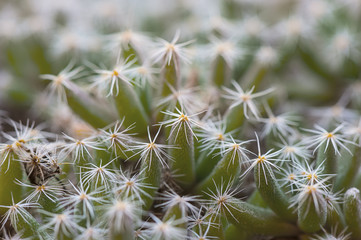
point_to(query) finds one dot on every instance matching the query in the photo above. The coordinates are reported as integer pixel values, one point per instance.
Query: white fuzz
(295, 151)
(180, 120)
(63, 223)
(227, 49)
(22, 135)
(99, 175)
(108, 80)
(171, 199)
(164, 230)
(354, 131)
(283, 124)
(48, 190)
(200, 219)
(144, 74)
(265, 161)
(121, 214)
(129, 38)
(92, 232)
(245, 98)
(184, 97)
(202, 234)
(322, 136)
(310, 194)
(83, 198)
(153, 151)
(222, 197)
(213, 136)
(266, 56)
(131, 187)
(253, 26)
(78, 148)
(62, 81)
(166, 51)
(307, 174)
(16, 211)
(116, 137)
(239, 153)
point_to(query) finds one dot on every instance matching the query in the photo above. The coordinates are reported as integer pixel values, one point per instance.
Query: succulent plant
(192, 139)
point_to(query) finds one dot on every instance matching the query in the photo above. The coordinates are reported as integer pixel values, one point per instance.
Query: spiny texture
(236, 127)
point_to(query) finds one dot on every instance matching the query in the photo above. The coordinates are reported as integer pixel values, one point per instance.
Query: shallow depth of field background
(317, 42)
(307, 51)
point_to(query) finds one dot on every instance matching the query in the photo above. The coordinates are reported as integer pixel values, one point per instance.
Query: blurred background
(315, 44)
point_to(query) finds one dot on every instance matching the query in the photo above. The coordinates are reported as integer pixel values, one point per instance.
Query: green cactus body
(175, 213)
(104, 155)
(145, 96)
(151, 174)
(221, 72)
(206, 163)
(310, 218)
(28, 226)
(335, 218)
(312, 63)
(86, 109)
(256, 199)
(182, 162)
(144, 92)
(258, 220)
(170, 76)
(272, 139)
(130, 108)
(9, 172)
(224, 172)
(75, 160)
(348, 167)
(328, 158)
(260, 73)
(216, 229)
(130, 54)
(234, 233)
(47, 204)
(357, 182)
(234, 118)
(352, 212)
(272, 193)
(126, 235)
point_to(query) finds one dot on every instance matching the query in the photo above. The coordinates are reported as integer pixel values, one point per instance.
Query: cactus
(239, 127)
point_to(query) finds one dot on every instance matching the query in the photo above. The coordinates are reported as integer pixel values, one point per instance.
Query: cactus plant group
(246, 128)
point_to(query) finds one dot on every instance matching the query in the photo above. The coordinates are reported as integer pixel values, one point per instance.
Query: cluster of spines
(209, 167)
